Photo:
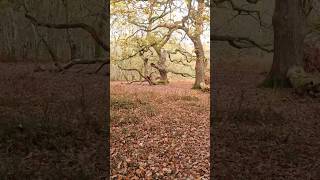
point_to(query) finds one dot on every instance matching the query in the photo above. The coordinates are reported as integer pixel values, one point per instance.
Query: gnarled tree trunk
(161, 66)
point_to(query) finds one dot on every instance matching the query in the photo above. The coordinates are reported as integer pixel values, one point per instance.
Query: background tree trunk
(289, 23)
(162, 68)
(200, 63)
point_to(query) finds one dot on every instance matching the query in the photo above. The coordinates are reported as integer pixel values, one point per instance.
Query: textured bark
(289, 24)
(200, 63)
(161, 67)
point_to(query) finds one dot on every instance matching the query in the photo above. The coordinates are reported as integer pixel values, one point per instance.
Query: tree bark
(289, 23)
(200, 63)
(162, 67)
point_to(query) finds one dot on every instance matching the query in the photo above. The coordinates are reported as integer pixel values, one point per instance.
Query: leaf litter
(170, 137)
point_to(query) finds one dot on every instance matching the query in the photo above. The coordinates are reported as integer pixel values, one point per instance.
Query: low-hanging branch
(52, 54)
(180, 61)
(84, 61)
(238, 42)
(255, 14)
(140, 51)
(183, 74)
(147, 78)
(188, 56)
(82, 26)
(171, 71)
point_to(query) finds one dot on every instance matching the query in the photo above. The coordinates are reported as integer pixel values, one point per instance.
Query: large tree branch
(240, 42)
(187, 57)
(140, 51)
(255, 14)
(165, 38)
(82, 26)
(83, 61)
(147, 78)
(52, 54)
(183, 74)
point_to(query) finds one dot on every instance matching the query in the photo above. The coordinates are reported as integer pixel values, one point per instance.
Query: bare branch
(83, 26)
(147, 78)
(241, 42)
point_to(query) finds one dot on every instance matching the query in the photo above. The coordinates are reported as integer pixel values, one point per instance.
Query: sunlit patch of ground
(159, 132)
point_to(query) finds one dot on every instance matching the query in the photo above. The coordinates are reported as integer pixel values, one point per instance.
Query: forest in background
(24, 41)
(53, 56)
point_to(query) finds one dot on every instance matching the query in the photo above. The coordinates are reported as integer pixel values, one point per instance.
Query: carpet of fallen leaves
(262, 133)
(159, 132)
(52, 125)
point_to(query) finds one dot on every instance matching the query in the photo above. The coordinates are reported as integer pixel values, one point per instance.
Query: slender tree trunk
(289, 23)
(195, 37)
(200, 63)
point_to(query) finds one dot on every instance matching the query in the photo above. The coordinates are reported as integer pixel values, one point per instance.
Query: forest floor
(159, 132)
(262, 133)
(51, 124)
